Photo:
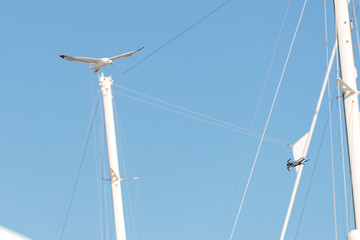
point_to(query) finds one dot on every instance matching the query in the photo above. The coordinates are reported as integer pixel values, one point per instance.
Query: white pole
(105, 83)
(307, 144)
(351, 102)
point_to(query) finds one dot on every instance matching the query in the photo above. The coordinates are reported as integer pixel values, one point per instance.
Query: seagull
(99, 62)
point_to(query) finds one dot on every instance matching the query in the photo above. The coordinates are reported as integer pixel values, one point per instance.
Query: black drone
(295, 163)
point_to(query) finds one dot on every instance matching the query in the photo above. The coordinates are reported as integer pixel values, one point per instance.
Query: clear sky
(187, 167)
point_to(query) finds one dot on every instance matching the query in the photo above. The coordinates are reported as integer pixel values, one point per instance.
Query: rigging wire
(98, 164)
(138, 203)
(122, 133)
(313, 173)
(107, 229)
(326, 35)
(254, 120)
(80, 162)
(337, 57)
(352, 111)
(337, 64)
(198, 116)
(102, 179)
(330, 124)
(105, 186)
(175, 37)
(342, 157)
(356, 27)
(122, 140)
(332, 162)
(268, 119)
(353, 207)
(192, 112)
(350, 204)
(137, 191)
(268, 139)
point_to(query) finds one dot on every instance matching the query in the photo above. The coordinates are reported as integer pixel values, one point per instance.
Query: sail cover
(299, 149)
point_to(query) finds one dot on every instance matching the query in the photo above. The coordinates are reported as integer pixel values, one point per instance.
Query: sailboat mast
(351, 103)
(105, 83)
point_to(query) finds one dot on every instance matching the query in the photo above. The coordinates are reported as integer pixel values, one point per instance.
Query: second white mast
(105, 83)
(351, 103)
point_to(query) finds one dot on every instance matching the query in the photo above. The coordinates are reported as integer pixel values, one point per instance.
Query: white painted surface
(105, 83)
(354, 235)
(6, 234)
(351, 102)
(298, 149)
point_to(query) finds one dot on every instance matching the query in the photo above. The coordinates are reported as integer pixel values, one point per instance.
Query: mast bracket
(346, 89)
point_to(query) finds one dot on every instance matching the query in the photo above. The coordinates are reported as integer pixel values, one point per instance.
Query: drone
(295, 163)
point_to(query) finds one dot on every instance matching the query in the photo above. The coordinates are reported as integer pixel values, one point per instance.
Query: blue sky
(187, 167)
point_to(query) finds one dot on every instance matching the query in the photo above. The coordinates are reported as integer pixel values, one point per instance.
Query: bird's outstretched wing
(80, 59)
(128, 54)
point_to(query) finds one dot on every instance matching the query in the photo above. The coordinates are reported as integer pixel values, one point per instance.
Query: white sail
(299, 148)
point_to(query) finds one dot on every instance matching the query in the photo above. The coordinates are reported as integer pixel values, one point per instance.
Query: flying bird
(99, 62)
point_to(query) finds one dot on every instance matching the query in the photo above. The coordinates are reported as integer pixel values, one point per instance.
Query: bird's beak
(112, 63)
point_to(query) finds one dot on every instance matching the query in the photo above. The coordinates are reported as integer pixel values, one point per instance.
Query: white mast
(351, 104)
(105, 83)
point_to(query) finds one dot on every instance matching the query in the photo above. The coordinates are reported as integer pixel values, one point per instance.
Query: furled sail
(298, 149)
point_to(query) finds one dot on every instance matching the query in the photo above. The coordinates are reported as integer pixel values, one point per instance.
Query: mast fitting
(346, 89)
